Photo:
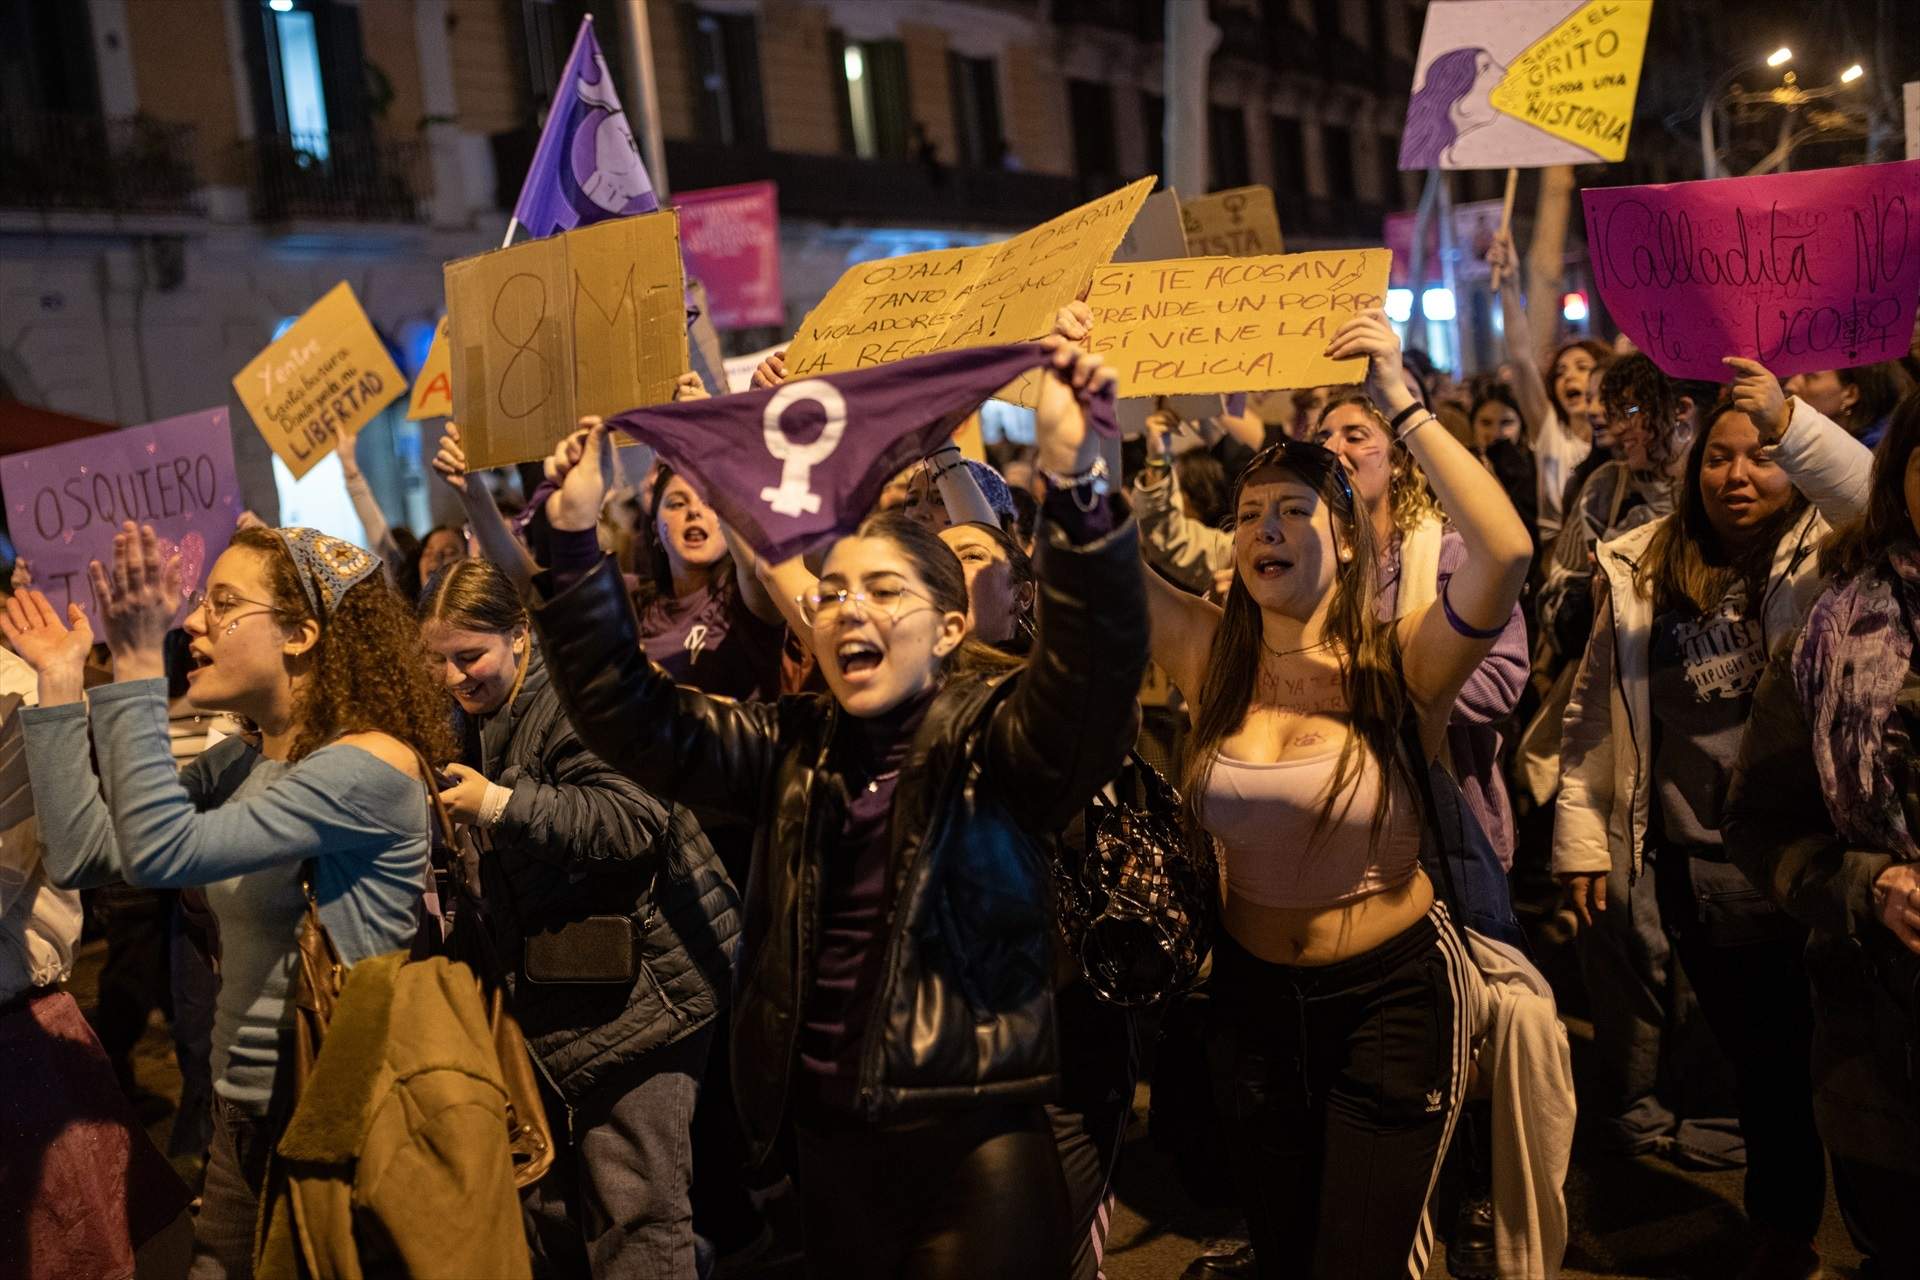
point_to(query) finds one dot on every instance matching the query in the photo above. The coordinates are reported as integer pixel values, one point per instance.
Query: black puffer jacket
(579, 839)
(964, 1010)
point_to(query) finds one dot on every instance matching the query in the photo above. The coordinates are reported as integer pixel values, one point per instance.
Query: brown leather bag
(322, 975)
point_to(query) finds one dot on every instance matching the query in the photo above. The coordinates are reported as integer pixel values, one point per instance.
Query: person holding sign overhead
(298, 634)
(896, 996)
(1346, 989)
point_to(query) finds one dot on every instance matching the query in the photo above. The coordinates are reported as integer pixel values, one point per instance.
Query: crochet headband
(327, 567)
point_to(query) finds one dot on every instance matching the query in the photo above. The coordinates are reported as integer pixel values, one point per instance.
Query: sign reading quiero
(329, 372)
(1799, 271)
(588, 322)
(1232, 324)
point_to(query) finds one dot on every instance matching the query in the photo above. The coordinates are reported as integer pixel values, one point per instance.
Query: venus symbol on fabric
(794, 494)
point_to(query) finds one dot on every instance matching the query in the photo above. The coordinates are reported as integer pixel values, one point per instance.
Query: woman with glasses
(1342, 982)
(299, 635)
(895, 999)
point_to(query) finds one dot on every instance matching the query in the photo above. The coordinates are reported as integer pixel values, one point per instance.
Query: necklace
(1288, 653)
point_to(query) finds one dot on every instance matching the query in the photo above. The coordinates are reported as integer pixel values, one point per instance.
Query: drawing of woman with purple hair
(1451, 103)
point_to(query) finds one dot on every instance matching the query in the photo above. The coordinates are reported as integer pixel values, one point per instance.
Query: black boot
(1470, 1252)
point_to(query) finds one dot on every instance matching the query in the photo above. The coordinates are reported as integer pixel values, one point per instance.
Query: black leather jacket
(578, 838)
(964, 1010)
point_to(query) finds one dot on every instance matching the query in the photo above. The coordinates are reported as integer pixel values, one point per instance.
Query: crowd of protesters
(761, 860)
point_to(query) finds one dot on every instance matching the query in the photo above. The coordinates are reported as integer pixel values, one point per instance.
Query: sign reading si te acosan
(591, 322)
(1232, 324)
(327, 373)
(65, 503)
(1799, 271)
(919, 303)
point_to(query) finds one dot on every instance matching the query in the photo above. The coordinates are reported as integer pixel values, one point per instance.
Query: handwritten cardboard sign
(433, 389)
(919, 303)
(1502, 84)
(65, 503)
(589, 322)
(1800, 271)
(1240, 223)
(329, 372)
(1232, 324)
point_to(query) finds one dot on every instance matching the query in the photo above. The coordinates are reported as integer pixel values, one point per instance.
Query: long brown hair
(946, 581)
(1368, 648)
(1864, 543)
(1407, 492)
(472, 595)
(370, 672)
(1685, 561)
(1602, 356)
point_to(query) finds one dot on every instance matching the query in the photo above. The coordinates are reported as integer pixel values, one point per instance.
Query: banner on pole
(588, 322)
(65, 503)
(1522, 84)
(329, 372)
(1232, 324)
(1799, 271)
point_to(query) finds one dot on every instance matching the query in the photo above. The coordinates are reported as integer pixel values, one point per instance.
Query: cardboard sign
(433, 389)
(1910, 98)
(327, 373)
(975, 296)
(1232, 324)
(65, 503)
(1799, 271)
(1241, 223)
(589, 322)
(731, 238)
(1504, 84)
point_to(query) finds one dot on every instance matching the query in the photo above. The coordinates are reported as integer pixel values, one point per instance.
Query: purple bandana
(587, 167)
(791, 466)
(1849, 665)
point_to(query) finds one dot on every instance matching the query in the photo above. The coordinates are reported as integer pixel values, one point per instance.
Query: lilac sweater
(1488, 698)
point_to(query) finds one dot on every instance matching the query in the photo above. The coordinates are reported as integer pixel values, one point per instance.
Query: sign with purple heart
(65, 503)
(1799, 271)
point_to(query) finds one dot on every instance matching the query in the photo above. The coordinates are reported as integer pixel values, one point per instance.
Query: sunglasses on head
(1313, 460)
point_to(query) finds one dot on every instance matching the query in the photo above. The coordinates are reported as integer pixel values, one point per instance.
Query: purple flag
(790, 466)
(587, 167)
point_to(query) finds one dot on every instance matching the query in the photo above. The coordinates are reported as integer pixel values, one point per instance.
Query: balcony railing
(130, 164)
(351, 176)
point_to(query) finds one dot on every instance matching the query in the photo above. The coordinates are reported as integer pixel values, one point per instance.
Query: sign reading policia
(1522, 84)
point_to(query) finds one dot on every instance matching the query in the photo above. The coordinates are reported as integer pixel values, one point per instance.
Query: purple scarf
(791, 466)
(1849, 665)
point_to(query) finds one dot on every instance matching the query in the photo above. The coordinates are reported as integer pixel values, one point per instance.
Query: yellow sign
(1241, 223)
(895, 308)
(433, 389)
(1233, 324)
(589, 322)
(1578, 81)
(327, 373)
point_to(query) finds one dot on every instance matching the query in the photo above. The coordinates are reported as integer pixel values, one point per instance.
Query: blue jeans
(617, 1202)
(230, 1198)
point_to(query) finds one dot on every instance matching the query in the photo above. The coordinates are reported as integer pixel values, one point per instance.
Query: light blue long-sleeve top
(240, 825)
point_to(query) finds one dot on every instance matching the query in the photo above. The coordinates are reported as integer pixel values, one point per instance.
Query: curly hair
(1413, 502)
(370, 672)
(1635, 385)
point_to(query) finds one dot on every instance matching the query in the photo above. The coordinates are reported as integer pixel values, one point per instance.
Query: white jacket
(39, 924)
(1607, 742)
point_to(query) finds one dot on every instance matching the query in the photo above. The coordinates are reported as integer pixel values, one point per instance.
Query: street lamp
(1851, 74)
(1709, 151)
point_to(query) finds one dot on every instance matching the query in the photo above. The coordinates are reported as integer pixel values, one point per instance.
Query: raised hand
(58, 652)
(1074, 322)
(138, 601)
(690, 387)
(585, 467)
(1060, 420)
(1501, 256)
(772, 371)
(22, 574)
(1369, 334)
(450, 460)
(1758, 394)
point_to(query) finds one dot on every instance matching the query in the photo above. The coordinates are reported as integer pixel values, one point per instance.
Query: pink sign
(65, 503)
(1474, 226)
(730, 238)
(1799, 271)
